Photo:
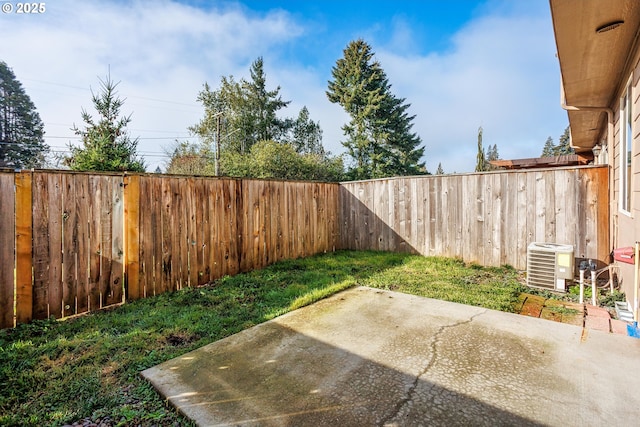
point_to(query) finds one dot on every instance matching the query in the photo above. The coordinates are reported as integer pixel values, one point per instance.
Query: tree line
(242, 132)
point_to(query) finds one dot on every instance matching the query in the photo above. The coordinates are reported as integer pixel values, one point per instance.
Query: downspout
(610, 157)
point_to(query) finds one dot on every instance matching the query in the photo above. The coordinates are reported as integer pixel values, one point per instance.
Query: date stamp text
(24, 8)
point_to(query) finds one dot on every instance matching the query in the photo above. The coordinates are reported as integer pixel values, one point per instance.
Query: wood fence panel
(133, 288)
(193, 225)
(486, 218)
(146, 236)
(96, 188)
(41, 246)
(583, 204)
(24, 247)
(55, 187)
(233, 197)
(7, 248)
(69, 246)
(78, 236)
(84, 200)
(219, 233)
(521, 208)
(115, 293)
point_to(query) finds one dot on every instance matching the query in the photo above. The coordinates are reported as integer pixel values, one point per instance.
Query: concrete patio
(367, 357)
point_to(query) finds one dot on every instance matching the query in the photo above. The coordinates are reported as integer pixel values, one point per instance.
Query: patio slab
(367, 357)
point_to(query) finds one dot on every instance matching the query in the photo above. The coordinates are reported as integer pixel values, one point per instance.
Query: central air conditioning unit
(549, 265)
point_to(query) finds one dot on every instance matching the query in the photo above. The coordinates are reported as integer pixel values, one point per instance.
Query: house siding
(625, 229)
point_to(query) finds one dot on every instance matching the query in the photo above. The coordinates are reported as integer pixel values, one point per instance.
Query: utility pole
(218, 127)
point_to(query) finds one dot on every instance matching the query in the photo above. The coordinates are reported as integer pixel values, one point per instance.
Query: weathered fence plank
(133, 287)
(24, 242)
(7, 248)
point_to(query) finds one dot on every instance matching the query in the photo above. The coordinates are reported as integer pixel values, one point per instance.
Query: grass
(57, 372)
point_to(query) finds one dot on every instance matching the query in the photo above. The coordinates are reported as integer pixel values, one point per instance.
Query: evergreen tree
(549, 148)
(21, 130)
(106, 142)
(492, 154)
(564, 146)
(439, 171)
(305, 134)
(243, 114)
(263, 106)
(379, 137)
(248, 110)
(480, 159)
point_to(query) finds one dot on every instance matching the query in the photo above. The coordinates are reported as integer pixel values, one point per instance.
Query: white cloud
(500, 71)
(501, 74)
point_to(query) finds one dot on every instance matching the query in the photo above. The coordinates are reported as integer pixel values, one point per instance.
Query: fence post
(24, 247)
(132, 237)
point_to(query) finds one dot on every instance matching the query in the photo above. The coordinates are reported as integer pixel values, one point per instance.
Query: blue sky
(460, 64)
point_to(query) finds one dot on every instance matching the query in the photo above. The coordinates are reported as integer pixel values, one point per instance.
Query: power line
(130, 96)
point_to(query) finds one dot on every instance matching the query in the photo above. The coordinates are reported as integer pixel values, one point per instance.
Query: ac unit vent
(549, 265)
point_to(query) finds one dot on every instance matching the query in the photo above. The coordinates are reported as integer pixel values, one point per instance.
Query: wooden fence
(76, 242)
(81, 241)
(487, 218)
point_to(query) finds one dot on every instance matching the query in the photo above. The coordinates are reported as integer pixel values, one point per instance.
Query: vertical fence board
(55, 187)
(202, 274)
(83, 202)
(24, 233)
(69, 245)
(7, 247)
(115, 292)
(95, 240)
(41, 255)
(132, 237)
(602, 232)
(166, 282)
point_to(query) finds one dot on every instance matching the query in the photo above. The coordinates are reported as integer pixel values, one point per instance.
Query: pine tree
(263, 105)
(480, 159)
(305, 135)
(244, 114)
(492, 154)
(549, 148)
(106, 143)
(379, 137)
(439, 171)
(564, 146)
(21, 130)
(248, 112)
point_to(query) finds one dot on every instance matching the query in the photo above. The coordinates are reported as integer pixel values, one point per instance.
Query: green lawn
(52, 373)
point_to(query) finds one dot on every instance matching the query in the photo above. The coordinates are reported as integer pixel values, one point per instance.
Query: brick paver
(597, 323)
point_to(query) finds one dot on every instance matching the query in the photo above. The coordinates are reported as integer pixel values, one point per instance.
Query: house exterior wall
(625, 226)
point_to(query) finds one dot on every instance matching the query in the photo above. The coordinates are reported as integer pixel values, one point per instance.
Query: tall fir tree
(241, 115)
(564, 146)
(549, 148)
(439, 171)
(248, 112)
(379, 136)
(305, 135)
(492, 154)
(264, 105)
(21, 129)
(480, 158)
(106, 142)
